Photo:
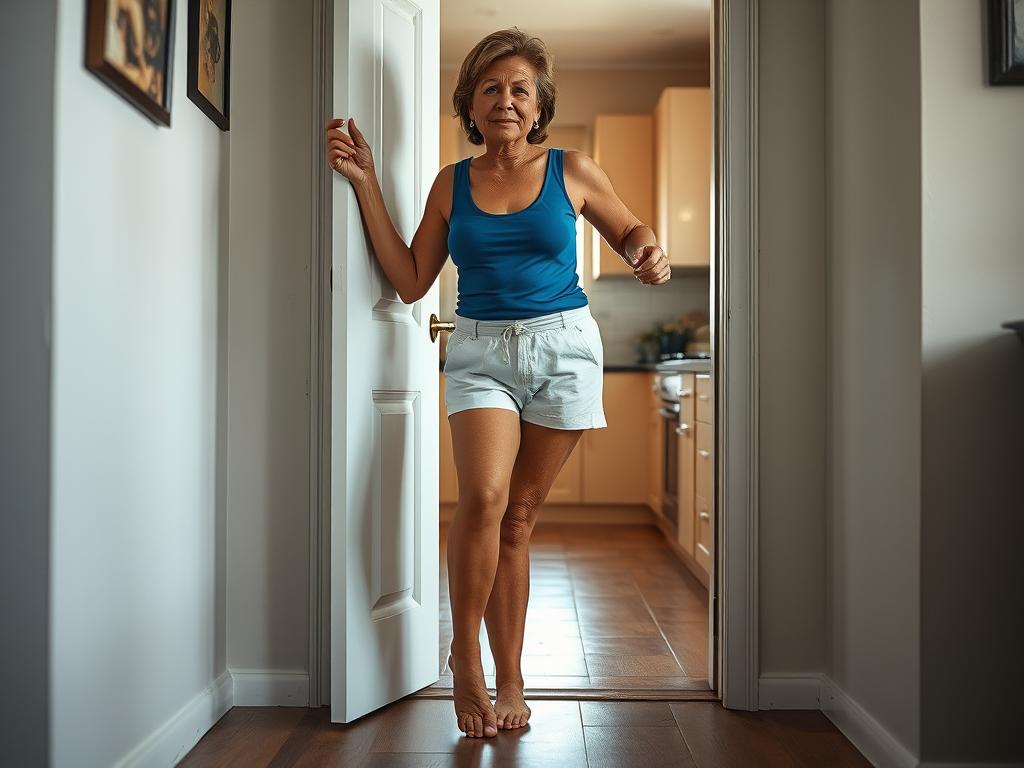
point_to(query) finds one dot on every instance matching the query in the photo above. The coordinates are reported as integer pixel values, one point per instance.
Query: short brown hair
(507, 42)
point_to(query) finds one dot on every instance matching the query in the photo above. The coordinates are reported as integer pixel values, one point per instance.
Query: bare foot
(473, 708)
(510, 706)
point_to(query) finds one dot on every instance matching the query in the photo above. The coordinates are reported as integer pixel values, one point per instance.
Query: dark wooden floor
(422, 733)
(610, 608)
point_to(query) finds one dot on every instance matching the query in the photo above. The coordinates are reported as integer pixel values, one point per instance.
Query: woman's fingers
(337, 144)
(336, 135)
(356, 133)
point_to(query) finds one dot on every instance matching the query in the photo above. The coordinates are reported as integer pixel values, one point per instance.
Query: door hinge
(332, 279)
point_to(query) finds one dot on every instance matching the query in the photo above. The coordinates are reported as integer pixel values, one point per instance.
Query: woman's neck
(507, 157)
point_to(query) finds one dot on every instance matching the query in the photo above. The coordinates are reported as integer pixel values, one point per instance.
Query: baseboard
(269, 688)
(776, 691)
(172, 741)
(879, 746)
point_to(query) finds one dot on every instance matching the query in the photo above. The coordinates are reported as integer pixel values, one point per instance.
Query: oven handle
(668, 413)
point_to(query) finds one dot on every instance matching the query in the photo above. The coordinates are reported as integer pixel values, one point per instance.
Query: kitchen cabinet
(623, 147)
(614, 459)
(704, 470)
(683, 175)
(606, 467)
(685, 433)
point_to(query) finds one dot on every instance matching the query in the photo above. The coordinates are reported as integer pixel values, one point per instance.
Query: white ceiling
(587, 34)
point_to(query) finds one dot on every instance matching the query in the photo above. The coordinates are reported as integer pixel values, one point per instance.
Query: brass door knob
(436, 326)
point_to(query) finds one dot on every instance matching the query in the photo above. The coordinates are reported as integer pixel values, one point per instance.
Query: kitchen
(644, 113)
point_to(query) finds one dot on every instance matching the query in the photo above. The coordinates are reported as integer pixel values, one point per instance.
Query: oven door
(670, 464)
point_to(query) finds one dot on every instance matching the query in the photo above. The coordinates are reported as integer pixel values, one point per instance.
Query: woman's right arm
(413, 269)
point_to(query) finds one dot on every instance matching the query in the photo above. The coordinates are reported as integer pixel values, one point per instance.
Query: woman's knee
(483, 504)
(518, 522)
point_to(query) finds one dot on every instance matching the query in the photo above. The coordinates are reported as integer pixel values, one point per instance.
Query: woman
(524, 364)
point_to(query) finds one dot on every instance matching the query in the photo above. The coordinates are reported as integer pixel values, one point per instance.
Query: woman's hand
(348, 155)
(651, 265)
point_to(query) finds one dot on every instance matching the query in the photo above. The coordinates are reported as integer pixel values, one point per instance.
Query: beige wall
(792, 336)
(972, 615)
(268, 339)
(873, 137)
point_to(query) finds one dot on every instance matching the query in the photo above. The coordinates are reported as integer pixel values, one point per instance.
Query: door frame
(734, 338)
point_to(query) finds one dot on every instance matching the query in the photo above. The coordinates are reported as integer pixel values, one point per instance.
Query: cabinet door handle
(703, 454)
(684, 392)
(705, 516)
(702, 397)
(682, 429)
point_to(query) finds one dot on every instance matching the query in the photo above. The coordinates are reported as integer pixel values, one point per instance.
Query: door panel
(384, 382)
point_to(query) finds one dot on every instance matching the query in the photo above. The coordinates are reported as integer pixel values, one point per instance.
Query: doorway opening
(730, 386)
(623, 596)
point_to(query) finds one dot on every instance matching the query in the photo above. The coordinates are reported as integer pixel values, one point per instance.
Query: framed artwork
(209, 25)
(1006, 42)
(129, 45)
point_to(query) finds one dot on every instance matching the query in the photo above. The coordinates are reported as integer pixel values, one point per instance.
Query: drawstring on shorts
(517, 328)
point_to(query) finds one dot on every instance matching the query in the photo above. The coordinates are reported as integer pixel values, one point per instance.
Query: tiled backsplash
(625, 308)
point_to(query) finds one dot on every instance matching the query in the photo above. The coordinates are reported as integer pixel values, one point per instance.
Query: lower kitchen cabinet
(615, 458)
(685, 451)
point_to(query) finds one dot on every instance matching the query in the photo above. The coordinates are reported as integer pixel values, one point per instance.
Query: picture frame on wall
(129, 45)
(1006, 42)
(209, 70)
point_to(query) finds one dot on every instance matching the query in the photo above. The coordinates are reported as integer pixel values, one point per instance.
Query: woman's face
(505, 101)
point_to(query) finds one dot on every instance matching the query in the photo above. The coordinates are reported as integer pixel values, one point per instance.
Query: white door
(384, 370)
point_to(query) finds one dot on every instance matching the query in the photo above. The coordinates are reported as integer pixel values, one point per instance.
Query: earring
(471, 123)
(536, 125)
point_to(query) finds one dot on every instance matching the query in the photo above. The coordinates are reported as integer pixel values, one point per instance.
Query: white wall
(137, 593)
(972, 615)
(791, 284)
(27, 40)
(873, 135)
(268, 322)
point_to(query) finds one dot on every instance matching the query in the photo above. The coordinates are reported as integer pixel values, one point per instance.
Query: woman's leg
(542, 453)
(485, 442)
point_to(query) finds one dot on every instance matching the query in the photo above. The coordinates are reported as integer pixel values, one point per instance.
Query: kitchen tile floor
(610, 607)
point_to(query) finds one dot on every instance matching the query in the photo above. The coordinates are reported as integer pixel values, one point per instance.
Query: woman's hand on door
(348, 155)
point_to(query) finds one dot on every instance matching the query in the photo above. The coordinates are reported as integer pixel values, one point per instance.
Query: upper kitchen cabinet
(682, 175)
(623, 147)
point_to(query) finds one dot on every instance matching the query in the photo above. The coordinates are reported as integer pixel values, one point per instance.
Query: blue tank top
(520, 264)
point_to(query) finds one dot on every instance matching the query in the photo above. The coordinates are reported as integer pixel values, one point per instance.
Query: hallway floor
(610, 607)
(422, 733)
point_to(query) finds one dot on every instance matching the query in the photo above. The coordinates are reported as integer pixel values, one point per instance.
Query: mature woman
(524, 363)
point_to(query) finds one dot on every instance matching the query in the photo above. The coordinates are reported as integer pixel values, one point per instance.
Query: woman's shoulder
(442, 190)
(580, 166)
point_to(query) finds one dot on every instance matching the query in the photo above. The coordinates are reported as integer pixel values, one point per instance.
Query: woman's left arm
(629, 237)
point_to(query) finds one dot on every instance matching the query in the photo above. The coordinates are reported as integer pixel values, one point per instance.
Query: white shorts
(549, 369)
